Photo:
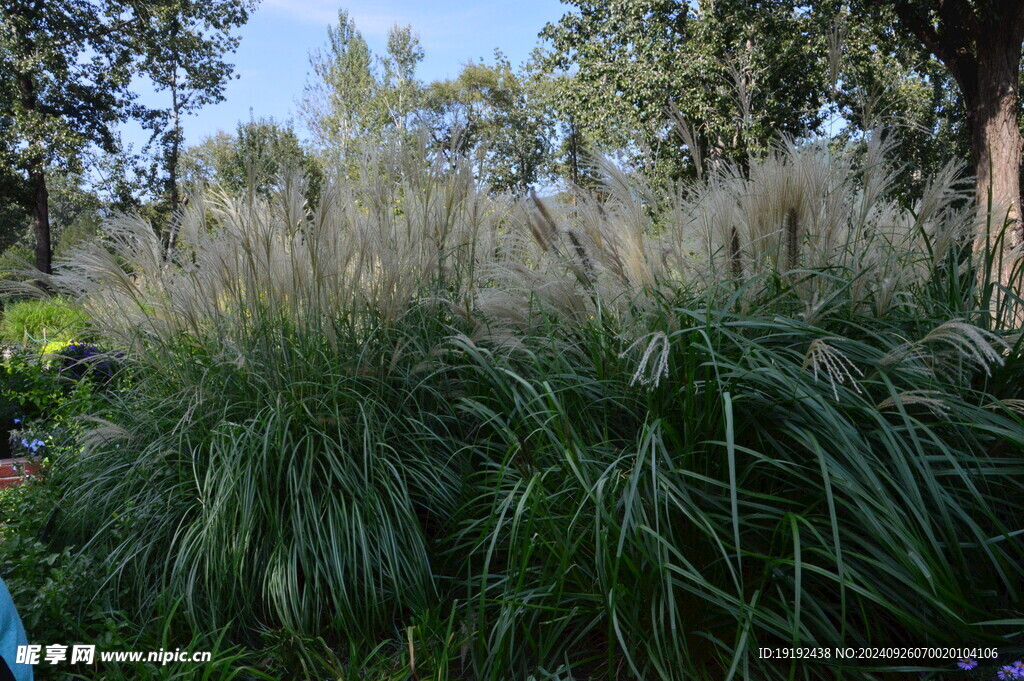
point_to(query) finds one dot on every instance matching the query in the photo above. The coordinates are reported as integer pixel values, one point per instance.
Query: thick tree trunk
(40, 216)
(995, 134)
(992, 114)
(980, 44)
(39, 197)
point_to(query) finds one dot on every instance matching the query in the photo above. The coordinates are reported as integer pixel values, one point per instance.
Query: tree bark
(172, 176)
(992, 117)
(40, 216)
(995, 131)
(39, 201)
(175, 152)
(980, 44)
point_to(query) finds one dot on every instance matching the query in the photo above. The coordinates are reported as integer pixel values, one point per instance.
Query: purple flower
(1007, 672)
(967, 663)
(16, 421)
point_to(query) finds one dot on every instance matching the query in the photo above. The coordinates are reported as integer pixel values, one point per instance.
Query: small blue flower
(967, 663)
(24, 442)
(17, 421)
(36, 444)
(1007, 672)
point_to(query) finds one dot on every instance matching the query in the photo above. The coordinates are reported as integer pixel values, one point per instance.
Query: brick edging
(12, 471)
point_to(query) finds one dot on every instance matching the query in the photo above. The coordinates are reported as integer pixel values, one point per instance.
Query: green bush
(56, 387)
(52, 319)
(412, 422)
(62, 597)
(28, 385)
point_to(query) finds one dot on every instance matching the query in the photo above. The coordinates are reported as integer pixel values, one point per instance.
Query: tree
(338, 101)
(185, 46)
(64, 77)
(356, 95)
(979, 42)
(492, 108)
(577, 130)
(253, 159)
(739, 72)
(399, 93)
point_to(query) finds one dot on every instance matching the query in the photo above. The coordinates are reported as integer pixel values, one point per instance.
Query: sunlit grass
(442, 430)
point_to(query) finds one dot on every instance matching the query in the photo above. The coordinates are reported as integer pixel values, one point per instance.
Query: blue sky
(273, 58)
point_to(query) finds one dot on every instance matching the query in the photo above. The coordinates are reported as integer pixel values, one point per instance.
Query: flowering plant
(78, 360)
(1007, 672)
(34, 445)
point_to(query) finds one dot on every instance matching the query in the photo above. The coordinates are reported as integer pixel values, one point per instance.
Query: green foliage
(75, 208)
(979, 44)
(736, 74)
(72, 55)
(53, 318)
(45, 582)
(57, 589)
(399, 91)
(255, 159)
(30, 387)
(447, 450)
(337, 104)
(65, 84)
(355, 96)
(878, 75)
(44, 390)
(500, 112)
(739, 73)
(13, 223)
(62, 596)
(184, 55)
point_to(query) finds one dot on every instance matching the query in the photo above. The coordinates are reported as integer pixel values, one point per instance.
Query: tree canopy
(739, 73)
(66, 78)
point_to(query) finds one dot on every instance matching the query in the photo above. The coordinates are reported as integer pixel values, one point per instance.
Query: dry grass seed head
(933, 400)
(824, 358)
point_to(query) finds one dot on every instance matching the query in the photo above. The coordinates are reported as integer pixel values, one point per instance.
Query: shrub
(50, 319)
(58, 385)
(562, 440)
(60, 595)
(28, 387)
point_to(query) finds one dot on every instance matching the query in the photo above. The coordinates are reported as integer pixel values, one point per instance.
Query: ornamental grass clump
(743, 501)
(419, 427)
(287, 454)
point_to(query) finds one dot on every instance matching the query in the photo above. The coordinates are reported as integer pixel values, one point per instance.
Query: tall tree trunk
(172, 182)
(40, 215)
(39, 203)
(980, 44)
(175, 151)
(995, 132)
(173, 155)
(992, 116)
